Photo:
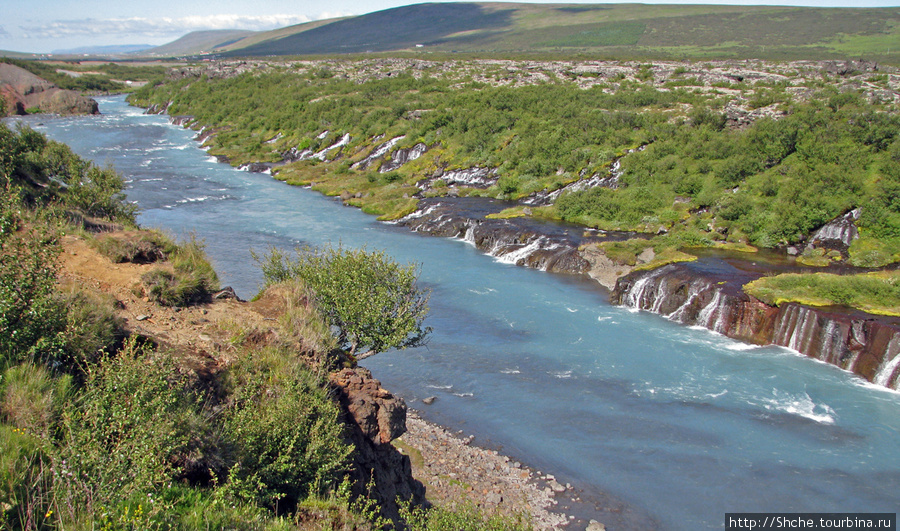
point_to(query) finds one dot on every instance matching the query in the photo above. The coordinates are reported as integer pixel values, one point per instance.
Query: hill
(115, 49)
(621, 30)
(198, 42)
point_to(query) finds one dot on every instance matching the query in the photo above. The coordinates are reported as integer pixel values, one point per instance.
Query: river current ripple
(678, 425)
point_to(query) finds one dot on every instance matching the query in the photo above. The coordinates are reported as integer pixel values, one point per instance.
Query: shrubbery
(370, 300)
(769, 184)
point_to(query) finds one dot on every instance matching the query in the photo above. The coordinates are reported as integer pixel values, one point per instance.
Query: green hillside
(621, 30)
(744, 153)
(199, 42)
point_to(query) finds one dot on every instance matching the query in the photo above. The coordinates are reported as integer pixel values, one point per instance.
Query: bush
(369, 299)
(32, 400)
(31, 320)
(126, 434)
(93, 330)
(286, 432)
(462, 518)
(140, 247)
(25, 480)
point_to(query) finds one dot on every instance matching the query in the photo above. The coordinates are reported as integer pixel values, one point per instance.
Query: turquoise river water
(671, 426)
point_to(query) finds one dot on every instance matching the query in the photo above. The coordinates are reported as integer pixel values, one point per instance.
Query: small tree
(370, 300)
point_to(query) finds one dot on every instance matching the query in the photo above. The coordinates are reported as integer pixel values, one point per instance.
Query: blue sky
(42, 26)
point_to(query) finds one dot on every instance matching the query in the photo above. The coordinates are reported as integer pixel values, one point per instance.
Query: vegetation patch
(371, 301)
(188, 278)
(137, 247)
(877, 292)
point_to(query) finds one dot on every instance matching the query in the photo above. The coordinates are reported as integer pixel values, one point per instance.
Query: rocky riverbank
(456, 471)
(399, 449)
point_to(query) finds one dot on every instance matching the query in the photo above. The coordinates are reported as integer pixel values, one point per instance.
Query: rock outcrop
(851, 340)
(374, 418)
(24, 92)
(513, 241)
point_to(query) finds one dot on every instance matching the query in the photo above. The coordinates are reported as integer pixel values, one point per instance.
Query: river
(678, 425)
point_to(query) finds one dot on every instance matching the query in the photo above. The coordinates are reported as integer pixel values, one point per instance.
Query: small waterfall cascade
(643, 294)
(377, 153)
(322, 155)
(861, 345)
(469, 236)
(841, 229)
(712, 316)
(887, 372)
(402, 156)
(795, 329)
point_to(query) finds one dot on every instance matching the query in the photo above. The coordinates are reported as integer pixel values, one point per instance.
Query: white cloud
(3, 32)
(160, 27)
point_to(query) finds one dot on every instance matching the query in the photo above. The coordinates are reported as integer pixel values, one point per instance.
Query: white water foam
(801, 405)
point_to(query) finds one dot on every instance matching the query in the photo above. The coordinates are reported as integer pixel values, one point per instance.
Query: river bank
(452, 468)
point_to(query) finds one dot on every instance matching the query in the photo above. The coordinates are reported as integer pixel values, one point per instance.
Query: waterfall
(516, 255)
(469, 237)
(340, 143)
(659, 298)
(831, 343)
(377, 153)
(889, 365)
(706, 315)
(635, 296)
(694, 291)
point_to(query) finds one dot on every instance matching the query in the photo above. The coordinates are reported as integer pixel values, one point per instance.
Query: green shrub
(371, 300)
(142, 247)
(191, 280)
(93, 330)
(32, 400)
(25, 480)
(126, 435)
(285, 432)
(464, 517)
(31, 319)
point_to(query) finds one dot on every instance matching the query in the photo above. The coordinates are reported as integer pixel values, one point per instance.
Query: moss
(669, 256)
(876, 293)
(509, 213)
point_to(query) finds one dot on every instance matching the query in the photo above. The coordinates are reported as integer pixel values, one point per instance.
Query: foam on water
(801, 405)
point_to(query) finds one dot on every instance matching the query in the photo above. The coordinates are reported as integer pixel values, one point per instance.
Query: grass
(625, 30)
(876, 293)
(187, 279)
(139, 247)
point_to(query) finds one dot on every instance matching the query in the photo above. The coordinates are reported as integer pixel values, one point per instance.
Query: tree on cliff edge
(371, 301)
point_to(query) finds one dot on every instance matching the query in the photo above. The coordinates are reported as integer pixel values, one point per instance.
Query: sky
(44, 26)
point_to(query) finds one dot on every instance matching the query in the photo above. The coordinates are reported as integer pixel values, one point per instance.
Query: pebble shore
(455, 470)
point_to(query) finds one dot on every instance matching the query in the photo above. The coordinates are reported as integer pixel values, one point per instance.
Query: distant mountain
(104, 50)
(199, 42)
(620, 30)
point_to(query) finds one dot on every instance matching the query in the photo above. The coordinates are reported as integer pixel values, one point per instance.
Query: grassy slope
(200, 42)
(681, 31)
